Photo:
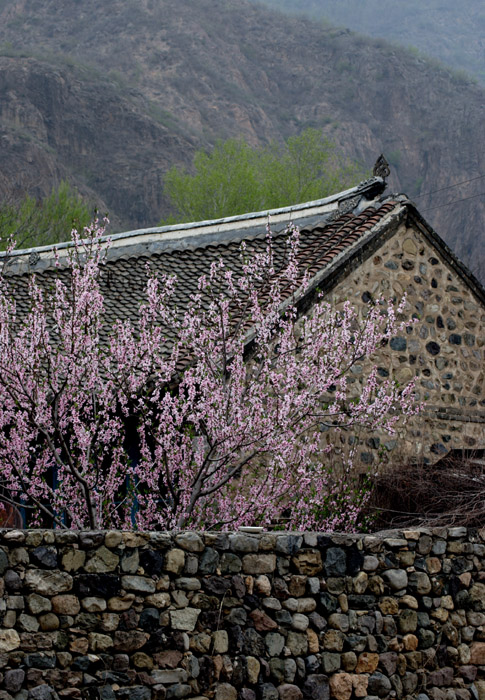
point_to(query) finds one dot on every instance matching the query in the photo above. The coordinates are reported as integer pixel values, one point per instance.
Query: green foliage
(33, 222)
(236, 178)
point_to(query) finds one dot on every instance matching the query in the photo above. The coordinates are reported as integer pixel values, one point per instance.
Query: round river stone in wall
(396, 578)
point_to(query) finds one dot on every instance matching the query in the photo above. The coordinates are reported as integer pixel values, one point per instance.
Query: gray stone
(419, 583)
(243, 543)
(396, 542)
(317, 622)
(48, 582)
(134, 692)
(313, 585)
(13, 582)
(93, 604)
(288, 544)
(139, 584)
(246, 694)
(335, 562)
(274, 643)
(339, 621)
(237, 616)
(14, 679)
(102, 561)
(253, 643)
(297, 643)
(167, 676)
(45, 557)
(220, 642)
(259, 563)
(28, 623)
(439, 547)
(43, 692)
(18, 557)
(191, 565)
(330, 662)
(40, 660)
(209, 562)
(178, 691)
(268, 692)
(283, 618)
(398, 344)
(410, 682)
(291, 667)
(38, 604)
(408, 621)
(300, 622)
(188, 584)
(379, 685)
(366, 624)
(277, 669)
(370, 563)
(396, 578)
(89, 540)
(184, 619)
(130, 561)
(312, 665)
(230, 564)
(190, 541)
(456, 532)
(15, 602)
(316, 687)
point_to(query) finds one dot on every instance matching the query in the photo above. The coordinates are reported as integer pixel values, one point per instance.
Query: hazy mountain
(111, 94)
(453, 32)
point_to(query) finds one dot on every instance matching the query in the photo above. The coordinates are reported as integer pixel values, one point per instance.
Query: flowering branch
(110, 427)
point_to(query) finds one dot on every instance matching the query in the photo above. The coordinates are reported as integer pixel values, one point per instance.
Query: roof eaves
(192, 234)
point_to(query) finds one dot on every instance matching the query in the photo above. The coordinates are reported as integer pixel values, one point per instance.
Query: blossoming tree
(120, 427)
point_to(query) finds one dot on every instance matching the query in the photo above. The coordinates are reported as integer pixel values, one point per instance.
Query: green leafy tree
(34, 222)
(236, 178)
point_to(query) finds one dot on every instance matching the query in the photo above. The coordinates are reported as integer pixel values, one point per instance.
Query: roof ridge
(369, 188)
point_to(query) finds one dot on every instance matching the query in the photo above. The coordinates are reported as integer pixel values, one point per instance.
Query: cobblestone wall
(445, 350)
(240, 616)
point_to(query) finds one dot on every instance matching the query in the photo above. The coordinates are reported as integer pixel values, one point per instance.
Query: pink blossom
(226, 426)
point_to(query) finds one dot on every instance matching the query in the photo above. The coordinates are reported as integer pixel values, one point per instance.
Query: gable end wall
(444, 350)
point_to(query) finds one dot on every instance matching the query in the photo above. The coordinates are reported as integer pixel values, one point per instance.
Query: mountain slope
(162, 77)
(449, 31)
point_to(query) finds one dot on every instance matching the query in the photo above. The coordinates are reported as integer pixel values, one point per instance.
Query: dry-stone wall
(273, 616)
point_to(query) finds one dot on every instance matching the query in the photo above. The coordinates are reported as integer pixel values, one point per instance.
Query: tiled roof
(331, 232)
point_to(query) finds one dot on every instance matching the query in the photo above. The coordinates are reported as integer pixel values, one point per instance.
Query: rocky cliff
(114, 93)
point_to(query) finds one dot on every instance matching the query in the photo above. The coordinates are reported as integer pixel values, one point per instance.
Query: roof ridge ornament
(381, 168)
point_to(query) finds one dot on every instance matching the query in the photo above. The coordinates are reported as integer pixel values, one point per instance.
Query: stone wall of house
(271, 616)
(445, 350)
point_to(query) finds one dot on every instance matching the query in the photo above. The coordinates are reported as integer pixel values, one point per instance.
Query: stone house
(358, 245)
